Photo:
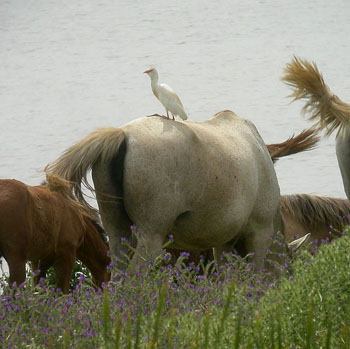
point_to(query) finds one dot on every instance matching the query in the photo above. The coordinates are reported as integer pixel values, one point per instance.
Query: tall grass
(166, 306)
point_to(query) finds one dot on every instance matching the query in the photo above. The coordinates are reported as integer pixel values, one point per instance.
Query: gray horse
(327, 109)
(208, 184)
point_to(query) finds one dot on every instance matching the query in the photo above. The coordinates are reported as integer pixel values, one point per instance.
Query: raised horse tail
(306, 140)
(329, 111)
(73, 165)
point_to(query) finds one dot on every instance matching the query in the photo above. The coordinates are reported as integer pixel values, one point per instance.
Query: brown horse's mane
(64, 188)
(315, 210)
(101, 231)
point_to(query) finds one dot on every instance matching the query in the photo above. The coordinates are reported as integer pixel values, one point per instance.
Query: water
(68, 67)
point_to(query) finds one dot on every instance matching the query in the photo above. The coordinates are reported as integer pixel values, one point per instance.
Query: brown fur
(318, 215)
(44, 227)
(64, 188)
(326, 109)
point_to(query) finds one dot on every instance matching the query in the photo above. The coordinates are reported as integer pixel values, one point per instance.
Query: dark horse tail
(306, 140)
(100, 146)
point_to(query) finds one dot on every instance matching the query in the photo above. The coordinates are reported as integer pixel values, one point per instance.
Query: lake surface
(68, 67)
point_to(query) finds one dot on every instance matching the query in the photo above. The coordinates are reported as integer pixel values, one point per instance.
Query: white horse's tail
(326, 109)
(101, 145)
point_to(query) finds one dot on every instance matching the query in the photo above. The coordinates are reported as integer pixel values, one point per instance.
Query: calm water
(67, 67)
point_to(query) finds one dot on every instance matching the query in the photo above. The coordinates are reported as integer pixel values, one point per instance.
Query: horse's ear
(294, 245)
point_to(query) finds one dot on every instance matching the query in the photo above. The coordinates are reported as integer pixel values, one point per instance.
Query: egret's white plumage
(166, 95)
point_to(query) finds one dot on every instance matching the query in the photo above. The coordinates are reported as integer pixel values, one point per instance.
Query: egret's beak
(147, 71)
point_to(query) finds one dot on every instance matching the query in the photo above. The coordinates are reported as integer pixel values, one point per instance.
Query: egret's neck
(154, 79)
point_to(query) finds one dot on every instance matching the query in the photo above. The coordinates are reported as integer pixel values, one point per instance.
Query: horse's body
(322, 217)
(330, 112)
(41, 226)
(206, 183)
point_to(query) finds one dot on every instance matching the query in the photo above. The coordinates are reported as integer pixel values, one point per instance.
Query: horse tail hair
(306, 140)
(326, 109)
(73, 165)
(64, 188)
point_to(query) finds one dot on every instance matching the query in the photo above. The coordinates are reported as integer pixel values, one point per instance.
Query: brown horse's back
(35, 221)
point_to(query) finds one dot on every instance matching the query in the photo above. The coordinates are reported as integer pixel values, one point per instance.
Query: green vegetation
(181, 306)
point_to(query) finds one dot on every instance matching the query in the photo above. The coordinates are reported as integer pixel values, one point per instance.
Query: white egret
(166, 95)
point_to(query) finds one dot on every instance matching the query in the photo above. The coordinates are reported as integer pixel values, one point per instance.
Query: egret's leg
(161, 116)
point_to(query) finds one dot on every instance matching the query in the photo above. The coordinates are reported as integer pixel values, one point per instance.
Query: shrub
(189, 306)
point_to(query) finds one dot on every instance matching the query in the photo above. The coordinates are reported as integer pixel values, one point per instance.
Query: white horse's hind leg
(219, 251)
(259, 241)
(114, 218)
(149, 246)
(343, 156)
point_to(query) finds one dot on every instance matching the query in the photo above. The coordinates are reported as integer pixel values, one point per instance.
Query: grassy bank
(181, 307)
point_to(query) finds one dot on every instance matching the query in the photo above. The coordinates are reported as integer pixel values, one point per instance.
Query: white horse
(330, 112)
(208, 184)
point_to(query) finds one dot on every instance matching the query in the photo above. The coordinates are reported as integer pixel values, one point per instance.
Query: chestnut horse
(48, 228)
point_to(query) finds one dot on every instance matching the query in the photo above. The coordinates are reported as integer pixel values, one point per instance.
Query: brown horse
(48, 228)
(322, 217)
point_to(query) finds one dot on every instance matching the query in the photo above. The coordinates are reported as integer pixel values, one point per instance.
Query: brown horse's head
(94, 252)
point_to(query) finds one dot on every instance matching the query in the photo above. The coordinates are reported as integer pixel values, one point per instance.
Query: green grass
(177, 307)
